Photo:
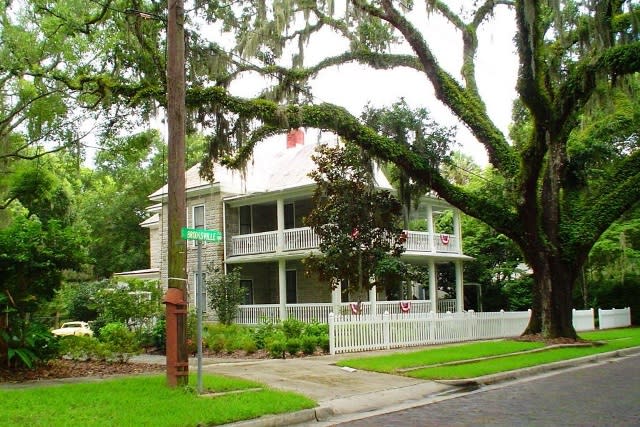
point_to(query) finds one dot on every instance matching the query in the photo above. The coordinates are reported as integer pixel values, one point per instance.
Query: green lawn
(459, 364)
(144, 401)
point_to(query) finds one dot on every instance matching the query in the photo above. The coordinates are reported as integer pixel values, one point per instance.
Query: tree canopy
(568, 170)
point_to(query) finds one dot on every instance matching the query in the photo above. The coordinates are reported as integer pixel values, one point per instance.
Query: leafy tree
(32, 258)
(225, 293)
(356, 222)
(415, 130)
(115, 197)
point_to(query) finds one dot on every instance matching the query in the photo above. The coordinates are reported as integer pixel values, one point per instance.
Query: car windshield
(71, 325)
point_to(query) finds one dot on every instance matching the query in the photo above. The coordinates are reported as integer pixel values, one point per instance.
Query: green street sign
(201, 234)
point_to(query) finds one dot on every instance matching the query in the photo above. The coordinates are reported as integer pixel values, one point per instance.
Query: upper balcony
(303, 238)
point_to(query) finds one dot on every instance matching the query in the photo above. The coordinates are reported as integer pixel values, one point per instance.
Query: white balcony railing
(300, 238)
(304, 238)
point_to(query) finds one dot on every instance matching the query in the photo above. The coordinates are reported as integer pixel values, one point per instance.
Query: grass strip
(412, 364)
(144, 401)
(437, 355)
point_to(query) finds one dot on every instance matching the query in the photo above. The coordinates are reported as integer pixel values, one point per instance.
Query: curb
(321, 413)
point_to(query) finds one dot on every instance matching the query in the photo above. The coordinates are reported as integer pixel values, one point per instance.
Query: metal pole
(199, 315)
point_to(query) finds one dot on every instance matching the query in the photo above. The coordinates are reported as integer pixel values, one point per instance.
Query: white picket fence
(366, 332)
(583, 320)
(351, 333)
(614, 318)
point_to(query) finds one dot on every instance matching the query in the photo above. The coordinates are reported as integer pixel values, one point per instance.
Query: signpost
(200, 235)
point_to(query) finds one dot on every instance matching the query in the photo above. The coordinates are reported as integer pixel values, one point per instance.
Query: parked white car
(73, 328)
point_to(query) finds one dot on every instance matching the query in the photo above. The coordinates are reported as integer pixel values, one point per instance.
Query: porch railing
(255, 243)
(304, 238)
(319, 312)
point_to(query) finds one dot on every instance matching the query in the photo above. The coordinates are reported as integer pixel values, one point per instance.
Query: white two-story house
(261, 216)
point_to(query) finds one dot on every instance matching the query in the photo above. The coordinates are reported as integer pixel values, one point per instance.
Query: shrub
(217, 343)
(248, 345)
(159, 335)
(293, 346)
(316, 329)
(225, 294)
(276, 345)
(120, 341)
(323, 342)
(264, 331)
(292, 328)
(309, 344)
(83, 348)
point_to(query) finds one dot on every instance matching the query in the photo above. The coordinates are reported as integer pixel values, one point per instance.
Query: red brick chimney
(295, 137)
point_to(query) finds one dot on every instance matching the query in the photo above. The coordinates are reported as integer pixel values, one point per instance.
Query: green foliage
(293, 345)
(611, 293)
(33, 256)
(159, 334)
(133, 303)
(28, 343)
(308, 344)
(219, 337)
(225, 293)
(114, 199)
(276, 345)
(83, 348)
(292, 327)
(357, 223)
(263, 331)
(519, 294)
(120, 341)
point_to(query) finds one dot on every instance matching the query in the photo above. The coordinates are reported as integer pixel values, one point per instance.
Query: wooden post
(177, 253)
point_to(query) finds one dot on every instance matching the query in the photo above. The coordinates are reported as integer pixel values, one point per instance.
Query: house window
(292, 284)
(289, 216)
(247, 284)
(245, 219)
(198, 216)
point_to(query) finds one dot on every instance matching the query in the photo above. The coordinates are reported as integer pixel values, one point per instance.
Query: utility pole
(177, 357)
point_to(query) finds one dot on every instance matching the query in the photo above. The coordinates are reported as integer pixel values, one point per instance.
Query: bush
(248, 345)
(293, 328)
(159, 335)
(120, 341)
(323, 342)
(83, 348)
(225, 294)
(264, 331)
(27, 343)
(309, 344)
(276, 345)
(293, 346)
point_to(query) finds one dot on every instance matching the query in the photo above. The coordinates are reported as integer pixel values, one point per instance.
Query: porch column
(280, 215)
(373, 299)
(457, 229)
(282, 288)
(432, 245)
(459, 287)
(336, 298)
(432, 286)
